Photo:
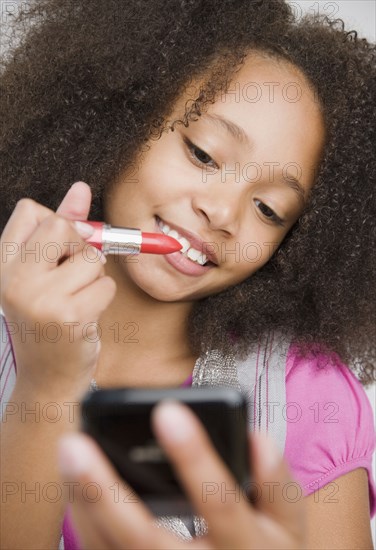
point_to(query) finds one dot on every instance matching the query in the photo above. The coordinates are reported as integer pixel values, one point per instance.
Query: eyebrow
(239, 134)
(296, 186)
(231, 128)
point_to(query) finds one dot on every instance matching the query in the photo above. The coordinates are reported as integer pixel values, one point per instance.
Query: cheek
(249, 258)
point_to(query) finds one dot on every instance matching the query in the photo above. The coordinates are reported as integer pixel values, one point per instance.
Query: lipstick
(126, 240)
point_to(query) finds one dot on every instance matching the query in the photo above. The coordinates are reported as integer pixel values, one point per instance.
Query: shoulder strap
(261, 378)
(7, 366)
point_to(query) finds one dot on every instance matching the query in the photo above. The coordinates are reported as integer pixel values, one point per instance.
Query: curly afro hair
(87, 84)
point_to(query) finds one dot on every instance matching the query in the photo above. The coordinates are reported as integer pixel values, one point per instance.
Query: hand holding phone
(119, 420)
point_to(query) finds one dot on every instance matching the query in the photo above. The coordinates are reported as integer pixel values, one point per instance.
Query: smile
(188, 249)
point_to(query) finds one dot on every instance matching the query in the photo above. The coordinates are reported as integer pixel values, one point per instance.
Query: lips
(205, 247)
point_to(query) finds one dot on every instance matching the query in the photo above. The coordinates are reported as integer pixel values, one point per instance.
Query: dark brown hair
(89, 83)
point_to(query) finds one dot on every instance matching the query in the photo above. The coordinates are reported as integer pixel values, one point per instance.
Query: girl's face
(225, 183)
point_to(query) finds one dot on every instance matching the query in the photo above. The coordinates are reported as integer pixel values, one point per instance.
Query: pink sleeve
(330, 424)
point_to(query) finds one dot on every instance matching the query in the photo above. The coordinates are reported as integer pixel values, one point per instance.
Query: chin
(165, 290)
(153, 280)
(156, 285)
(164, 293)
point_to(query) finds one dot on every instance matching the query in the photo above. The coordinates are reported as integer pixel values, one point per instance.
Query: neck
(147, 337)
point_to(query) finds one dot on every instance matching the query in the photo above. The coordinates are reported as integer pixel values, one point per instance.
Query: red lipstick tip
(158, 243)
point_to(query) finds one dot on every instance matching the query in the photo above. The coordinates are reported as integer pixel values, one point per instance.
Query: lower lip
(185, 265)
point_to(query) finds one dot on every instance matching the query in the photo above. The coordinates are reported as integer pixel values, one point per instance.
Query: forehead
(276, 110)
(260, 80)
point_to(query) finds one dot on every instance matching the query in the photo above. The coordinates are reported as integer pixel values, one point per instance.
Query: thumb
(278, 495)
(76, 203)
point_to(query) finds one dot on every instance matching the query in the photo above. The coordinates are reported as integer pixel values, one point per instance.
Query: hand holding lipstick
(38, 290)
(63, 292)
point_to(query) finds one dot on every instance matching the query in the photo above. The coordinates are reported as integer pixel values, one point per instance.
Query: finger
(76, 203)
(94, 298)
(91, 538)
(54, 238)
(86, 531)
(79, 270)
(25, 218)
(28, 214)
(278, 495)
(207, 481)
(126, 523)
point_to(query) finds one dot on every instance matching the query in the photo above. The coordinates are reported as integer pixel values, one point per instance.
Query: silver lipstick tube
(117, 240)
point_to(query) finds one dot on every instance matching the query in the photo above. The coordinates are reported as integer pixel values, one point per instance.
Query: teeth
(185, 244)
(192, 253)
(197, 256)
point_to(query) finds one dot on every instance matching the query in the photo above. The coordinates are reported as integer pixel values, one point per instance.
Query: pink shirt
(330, 424)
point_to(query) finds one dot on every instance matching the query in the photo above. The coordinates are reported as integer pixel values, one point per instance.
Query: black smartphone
(119, 420)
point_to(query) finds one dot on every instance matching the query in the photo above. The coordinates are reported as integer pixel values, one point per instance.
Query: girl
(240, 129)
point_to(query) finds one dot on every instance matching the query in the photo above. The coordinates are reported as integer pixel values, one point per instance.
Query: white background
(357, 14)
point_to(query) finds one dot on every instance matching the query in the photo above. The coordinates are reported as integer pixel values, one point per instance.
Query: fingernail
(84, 229)
(75, 183)
(93, 254)
(102, 257)
(173, 422)
(99, 254)
(73, 455)
(268, 452)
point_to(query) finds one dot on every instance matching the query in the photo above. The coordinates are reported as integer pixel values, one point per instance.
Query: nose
(220, 206)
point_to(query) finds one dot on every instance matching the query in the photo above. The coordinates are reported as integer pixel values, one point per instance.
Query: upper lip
(194, 240)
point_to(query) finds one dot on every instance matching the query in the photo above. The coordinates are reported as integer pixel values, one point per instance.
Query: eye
(198, 156)
(270, 214)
